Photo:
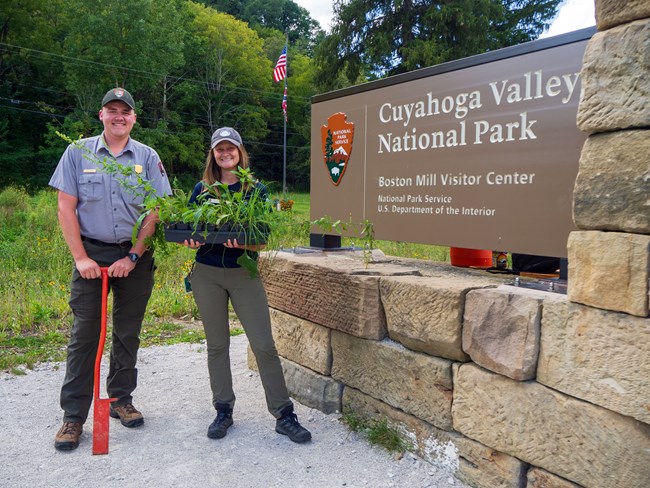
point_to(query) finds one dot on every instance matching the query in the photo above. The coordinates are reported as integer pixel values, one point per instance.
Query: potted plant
(219, 215)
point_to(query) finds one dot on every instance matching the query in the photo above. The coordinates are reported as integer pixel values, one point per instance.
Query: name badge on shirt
(138, 168)
(90, 170)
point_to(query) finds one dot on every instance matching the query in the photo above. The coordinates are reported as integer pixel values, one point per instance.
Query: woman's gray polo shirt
(106, 210)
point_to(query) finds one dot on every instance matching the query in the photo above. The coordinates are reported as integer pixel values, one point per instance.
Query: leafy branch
(364, 231)
(123, 175)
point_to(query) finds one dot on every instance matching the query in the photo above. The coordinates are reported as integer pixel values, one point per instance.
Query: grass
(27, 351)
(391, 248)
(377, 431)
(36, 267)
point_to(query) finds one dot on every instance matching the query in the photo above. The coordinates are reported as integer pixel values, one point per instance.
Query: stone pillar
(613, 184)
(609, 257)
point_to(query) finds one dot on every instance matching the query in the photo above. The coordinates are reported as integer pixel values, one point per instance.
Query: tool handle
(101, 407)
(102, 334)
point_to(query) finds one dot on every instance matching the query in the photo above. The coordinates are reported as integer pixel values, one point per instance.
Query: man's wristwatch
(134, 257)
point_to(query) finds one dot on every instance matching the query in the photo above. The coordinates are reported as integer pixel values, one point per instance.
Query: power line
(188, 124)
(140, 73)
(59, 116)
(185, 123)
(42, 88)
(56, 110)
(195, 121)
(63, 116)
(41, 104)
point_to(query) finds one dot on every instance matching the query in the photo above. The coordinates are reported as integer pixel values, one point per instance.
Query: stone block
(302, 341)
(610, 13)
(470, 461)
(539, 478)
(308, 387)
(430, 443)
(501, 329)
(426, 314)
(612, 190)
(481, 466)
(312, 389)
(338, 292)
(615, 81)
(610, 270)
(596, 355)
(576, 440)
(414, 382)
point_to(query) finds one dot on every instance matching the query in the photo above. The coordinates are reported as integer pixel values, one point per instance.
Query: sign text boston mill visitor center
(478, 153)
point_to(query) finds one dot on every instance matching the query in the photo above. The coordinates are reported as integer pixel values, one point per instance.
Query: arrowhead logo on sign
(336, 144)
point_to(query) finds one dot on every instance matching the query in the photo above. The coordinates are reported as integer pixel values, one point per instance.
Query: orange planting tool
(101, 406)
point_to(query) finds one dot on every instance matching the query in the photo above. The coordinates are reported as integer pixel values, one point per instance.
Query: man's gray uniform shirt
(107, 210)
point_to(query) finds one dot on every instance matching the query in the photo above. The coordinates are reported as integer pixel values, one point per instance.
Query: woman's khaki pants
(212, 288)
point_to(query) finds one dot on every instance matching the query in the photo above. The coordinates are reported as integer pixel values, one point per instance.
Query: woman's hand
(234, 244)
(192, 244)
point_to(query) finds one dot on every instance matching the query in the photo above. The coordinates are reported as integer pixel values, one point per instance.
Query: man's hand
(88, 269)
(121, 268)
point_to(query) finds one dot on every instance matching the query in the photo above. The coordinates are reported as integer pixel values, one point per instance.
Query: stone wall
(505, 386)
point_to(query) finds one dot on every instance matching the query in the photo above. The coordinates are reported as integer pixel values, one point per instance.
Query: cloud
(573, 15)
(320, 10)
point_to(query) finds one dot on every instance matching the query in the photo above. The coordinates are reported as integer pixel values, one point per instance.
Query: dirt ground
(172, 449)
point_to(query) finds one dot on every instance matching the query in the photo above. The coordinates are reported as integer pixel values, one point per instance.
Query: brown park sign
(479, 153)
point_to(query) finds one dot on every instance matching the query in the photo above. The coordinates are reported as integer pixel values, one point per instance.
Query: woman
(216, 278)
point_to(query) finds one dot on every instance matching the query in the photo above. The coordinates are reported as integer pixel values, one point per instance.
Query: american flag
(280, 70)
(284, 103)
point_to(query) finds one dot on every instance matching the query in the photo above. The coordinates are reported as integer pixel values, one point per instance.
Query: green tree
(228, 73)
(285, 16)
(133, 44)
(377, 38)
(300, 90)
(31, 93)
(189, 67)
(180, 152)
(328, 147)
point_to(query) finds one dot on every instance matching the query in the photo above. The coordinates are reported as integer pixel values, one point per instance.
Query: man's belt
(96, 242)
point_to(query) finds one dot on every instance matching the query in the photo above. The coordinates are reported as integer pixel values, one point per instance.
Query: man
(97, 215)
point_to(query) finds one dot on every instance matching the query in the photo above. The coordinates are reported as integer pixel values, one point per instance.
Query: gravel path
(172, 449)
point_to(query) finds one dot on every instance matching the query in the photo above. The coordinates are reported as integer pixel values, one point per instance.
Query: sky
(573, 15)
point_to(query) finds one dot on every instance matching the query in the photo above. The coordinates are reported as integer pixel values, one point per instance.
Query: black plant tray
(211, 236)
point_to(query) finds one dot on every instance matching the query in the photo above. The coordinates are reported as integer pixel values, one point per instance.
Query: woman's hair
(212, 171)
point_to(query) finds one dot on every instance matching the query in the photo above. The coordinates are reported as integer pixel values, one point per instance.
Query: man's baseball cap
(226, 134)
(119, 94)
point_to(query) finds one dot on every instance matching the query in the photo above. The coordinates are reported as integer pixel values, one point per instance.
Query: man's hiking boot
(67, 438)
(128, 415)
(288, 425)
(219, 427)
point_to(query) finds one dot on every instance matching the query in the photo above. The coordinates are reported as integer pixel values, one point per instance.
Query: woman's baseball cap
(119, 94)
(226, 134)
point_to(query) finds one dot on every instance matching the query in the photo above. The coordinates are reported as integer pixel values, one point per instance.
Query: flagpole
(284, 164)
